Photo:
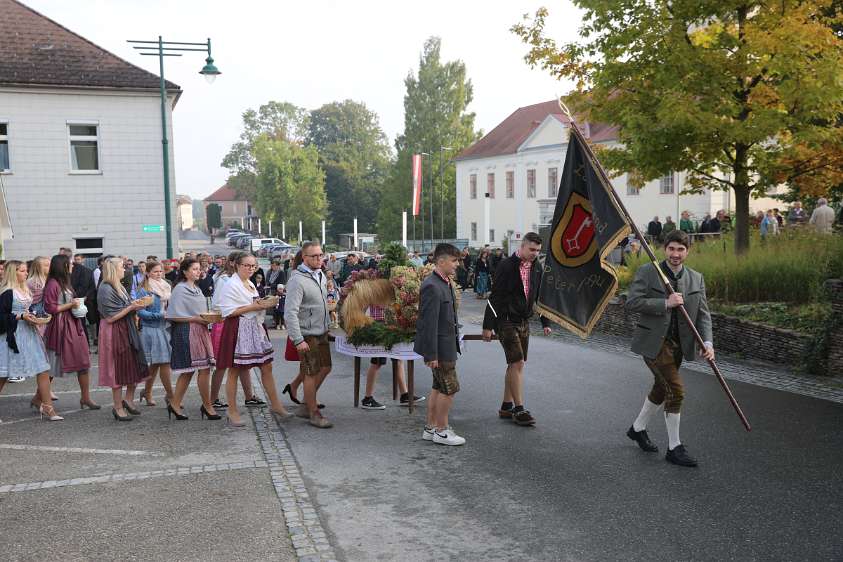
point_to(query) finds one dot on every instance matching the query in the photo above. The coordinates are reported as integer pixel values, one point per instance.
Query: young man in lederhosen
(514, 293)
(664, 339)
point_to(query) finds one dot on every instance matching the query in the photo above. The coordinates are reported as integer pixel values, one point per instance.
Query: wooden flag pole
(668, 287)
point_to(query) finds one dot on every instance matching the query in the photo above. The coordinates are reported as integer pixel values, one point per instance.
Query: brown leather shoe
(523, 417)
(505, 414)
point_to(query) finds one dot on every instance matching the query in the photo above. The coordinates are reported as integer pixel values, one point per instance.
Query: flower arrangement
(396, 289)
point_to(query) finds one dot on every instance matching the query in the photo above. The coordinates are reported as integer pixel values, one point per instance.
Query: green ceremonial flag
(587, 225)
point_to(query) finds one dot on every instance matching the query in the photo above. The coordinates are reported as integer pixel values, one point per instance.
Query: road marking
(181, 471)
(123, 452)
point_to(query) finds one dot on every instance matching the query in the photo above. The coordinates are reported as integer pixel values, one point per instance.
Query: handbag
(290, 352)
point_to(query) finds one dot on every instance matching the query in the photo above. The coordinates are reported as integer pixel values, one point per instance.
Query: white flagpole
(301, 236)
(355, 234)
(404, 228)
(323, 233)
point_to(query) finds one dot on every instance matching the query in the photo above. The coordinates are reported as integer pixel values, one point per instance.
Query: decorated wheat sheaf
(398, 295)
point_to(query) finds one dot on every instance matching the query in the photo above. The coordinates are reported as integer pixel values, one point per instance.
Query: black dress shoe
(678, 455)
(642, 439)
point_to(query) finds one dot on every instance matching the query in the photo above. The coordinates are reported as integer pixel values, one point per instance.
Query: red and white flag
(417, 183)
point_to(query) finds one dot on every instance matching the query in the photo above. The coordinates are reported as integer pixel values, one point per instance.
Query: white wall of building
(522, 213)
(50, 205)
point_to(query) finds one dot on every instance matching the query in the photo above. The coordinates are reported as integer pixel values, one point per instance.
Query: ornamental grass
(789, 268)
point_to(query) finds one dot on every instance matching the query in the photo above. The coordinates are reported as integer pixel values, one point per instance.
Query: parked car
(256, 243)
(268, 250)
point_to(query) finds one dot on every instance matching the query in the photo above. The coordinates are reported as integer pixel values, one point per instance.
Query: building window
(472, 186)
(552, 182)
(632, 190)
(474, 231)
(4, 147)
(491, 235)
(84, 148)
(531, 184)
(490, 185)
(666, 184)
(510, 185)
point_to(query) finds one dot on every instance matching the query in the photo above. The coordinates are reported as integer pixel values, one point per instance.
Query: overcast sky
(310, 53)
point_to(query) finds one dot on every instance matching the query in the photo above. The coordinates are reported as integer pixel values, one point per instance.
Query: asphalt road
(574, 487)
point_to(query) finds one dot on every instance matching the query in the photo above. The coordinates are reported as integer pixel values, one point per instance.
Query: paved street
(573, 488)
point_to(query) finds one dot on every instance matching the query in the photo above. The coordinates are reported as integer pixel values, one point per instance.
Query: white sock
(672, 422)
(647, 410)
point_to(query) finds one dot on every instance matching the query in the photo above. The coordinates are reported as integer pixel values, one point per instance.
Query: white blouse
(236, 294)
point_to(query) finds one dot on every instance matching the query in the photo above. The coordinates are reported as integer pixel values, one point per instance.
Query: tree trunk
(742, 190)
(742, 222)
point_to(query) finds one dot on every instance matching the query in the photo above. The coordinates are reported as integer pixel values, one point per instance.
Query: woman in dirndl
(65, 338)
(122, 363)
(190, 340)
(245, 343)
(22, 353)
(155, 337)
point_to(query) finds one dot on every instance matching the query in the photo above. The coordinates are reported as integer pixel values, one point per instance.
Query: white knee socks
(672, 422)
(640, 423)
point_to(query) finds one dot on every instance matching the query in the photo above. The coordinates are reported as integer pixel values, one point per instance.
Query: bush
(789, 268)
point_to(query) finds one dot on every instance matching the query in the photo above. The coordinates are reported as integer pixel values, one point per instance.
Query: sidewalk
(151, 489)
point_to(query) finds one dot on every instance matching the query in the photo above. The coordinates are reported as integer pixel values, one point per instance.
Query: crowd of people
(166, 320)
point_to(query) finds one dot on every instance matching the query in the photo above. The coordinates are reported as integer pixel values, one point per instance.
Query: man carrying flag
(577, 284)
(663, 340)
(508, 312)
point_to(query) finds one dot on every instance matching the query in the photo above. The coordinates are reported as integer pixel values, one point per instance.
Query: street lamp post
(163, 49)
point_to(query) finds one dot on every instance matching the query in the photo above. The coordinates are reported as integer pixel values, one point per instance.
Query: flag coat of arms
(587, 225)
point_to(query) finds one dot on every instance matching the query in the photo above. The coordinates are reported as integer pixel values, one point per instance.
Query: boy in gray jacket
(307, 319)
(437, 341)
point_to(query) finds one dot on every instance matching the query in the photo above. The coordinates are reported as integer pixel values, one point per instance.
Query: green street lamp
(163, 49)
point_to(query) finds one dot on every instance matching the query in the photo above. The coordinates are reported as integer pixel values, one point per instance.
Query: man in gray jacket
(307, 319)
(437, 341)
(664, 339)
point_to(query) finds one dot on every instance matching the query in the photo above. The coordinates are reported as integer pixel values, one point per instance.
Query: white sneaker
(447, 437)
(427, 433)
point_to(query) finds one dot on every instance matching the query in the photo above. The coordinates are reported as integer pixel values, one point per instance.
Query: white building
(80, 143)
(184, 212)
(507, 181)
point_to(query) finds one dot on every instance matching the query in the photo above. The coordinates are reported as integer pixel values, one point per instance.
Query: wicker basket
(212, 317)
(42, 320)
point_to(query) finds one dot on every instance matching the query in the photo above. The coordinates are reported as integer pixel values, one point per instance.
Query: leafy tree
(289, 183)
(744, 95)
(276, 120)
(435, 115)
(214, 216)
(354, 152)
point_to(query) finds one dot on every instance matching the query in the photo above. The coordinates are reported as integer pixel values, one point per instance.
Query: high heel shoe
(172, 412)
(118, 417)
(50, 412)
(205, 414)
(232, 423)
(128, 408)
(149, 402)
(289, 391)
(90, 404)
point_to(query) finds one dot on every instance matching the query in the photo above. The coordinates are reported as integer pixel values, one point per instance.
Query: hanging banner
(417, 183)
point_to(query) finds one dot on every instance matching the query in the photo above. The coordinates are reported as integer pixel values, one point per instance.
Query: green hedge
(789, 268)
